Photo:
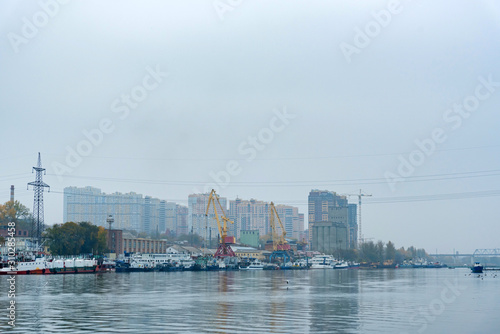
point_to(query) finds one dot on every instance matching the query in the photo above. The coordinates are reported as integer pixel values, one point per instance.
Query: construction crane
(279, 241)
(360, 195)
(224, 249)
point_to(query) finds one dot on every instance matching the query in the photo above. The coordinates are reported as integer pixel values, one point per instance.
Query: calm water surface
(314, 301)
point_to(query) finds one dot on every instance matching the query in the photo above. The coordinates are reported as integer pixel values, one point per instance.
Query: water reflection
(314, 301)
(338, 308)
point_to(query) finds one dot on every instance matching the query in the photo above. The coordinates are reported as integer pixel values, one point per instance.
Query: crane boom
(212, 199)
(223, 250)
(279, 241)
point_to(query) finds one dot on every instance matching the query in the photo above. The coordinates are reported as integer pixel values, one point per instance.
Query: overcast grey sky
(336, 95)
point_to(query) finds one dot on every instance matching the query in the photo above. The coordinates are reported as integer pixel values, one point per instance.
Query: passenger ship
(42, 266)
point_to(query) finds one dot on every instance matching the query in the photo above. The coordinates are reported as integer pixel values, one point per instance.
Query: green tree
(17, 213)
(91, 239)
(401, 255)
(102, 245)
(192, 239)
(390, 251)
(73, 239)
(14, 212)
(349, 255)
(368, 252)
(411, 252)
(380, 251)
(421, 253)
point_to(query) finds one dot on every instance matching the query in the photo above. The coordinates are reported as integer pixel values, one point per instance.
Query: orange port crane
(279, 241)
(224, 249)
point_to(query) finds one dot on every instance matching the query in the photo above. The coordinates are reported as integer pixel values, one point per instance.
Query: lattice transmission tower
(38, 225)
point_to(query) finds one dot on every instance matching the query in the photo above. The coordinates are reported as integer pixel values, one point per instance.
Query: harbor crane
(280, 246)
(360, 195)
(224, 249)
(279, 241)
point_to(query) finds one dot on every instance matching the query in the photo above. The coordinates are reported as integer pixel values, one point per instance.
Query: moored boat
(254, 265)
(353, 265)
(37, 267)
(340, 265)
(477, 268)
(322, 262)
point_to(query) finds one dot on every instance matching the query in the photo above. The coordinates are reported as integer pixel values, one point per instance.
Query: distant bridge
(478, 253)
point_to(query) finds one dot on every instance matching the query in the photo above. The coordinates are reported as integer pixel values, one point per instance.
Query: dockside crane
(224, 249)
(279, 241)
(281, 247)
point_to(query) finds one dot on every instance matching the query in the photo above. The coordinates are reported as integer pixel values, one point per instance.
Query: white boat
(300, 264)
(353, 265)
(256, 265)
(154, 260)
(39, 266)
(56, 266)
(186, 263)
(322, 262)
(340, 265)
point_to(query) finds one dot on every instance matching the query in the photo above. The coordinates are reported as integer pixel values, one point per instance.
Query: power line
(422, 178)
(280, 158)
(372, 200)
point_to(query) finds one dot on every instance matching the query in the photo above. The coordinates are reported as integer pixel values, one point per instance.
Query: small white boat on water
(254, 265)
(322, 262)
(340, 265)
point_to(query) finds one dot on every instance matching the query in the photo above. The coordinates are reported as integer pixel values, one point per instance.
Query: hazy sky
(398, 99)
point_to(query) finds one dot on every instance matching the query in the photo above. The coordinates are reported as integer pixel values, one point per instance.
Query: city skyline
(173, 98)
(143, 213)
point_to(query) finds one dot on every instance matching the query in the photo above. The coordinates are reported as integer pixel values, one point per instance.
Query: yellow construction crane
(224, 249)
(279, 241)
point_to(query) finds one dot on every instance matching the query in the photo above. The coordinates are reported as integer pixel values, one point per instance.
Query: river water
(313, 301)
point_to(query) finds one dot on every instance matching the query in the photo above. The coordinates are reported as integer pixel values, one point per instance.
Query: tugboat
(477, 268)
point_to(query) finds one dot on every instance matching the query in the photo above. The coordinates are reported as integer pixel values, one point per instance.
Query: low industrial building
(248, 252)
(132, 244)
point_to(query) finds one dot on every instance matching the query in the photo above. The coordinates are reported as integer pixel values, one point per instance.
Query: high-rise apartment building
(171, 218)
(176, 219)
(181, 220)
(130, 211)
(353, 225)
(91, 205)
(320, 204)
(292, 221)
(249, 215)
(254, 215)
